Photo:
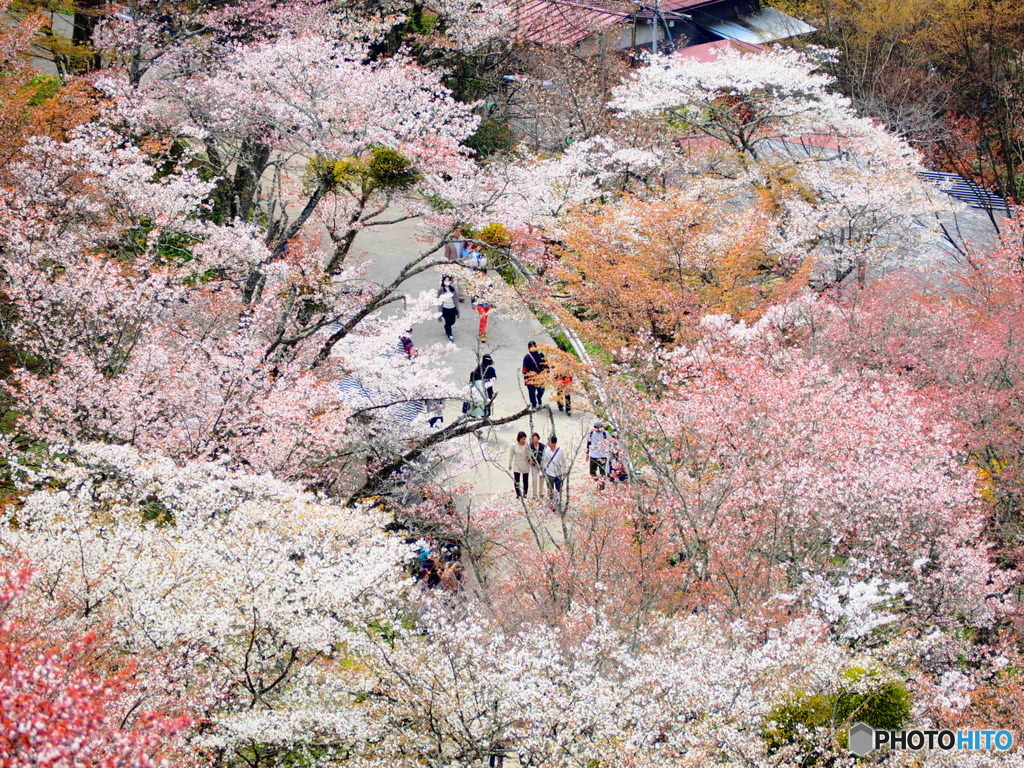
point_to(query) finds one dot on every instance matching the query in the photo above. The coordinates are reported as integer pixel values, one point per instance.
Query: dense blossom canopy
(230, 535)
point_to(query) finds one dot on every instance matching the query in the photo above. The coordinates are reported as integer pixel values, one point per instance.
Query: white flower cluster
(249, 581)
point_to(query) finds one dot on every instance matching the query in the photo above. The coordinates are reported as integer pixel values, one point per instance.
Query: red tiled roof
(707, 51)
(566, 22)
(679, 5)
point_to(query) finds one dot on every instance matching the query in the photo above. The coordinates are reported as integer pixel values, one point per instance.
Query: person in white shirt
(554, 466)
(597, 451)
(448, 299)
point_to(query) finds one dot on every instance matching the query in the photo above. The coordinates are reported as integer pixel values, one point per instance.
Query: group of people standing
(468, 253)
(536, 378)
(535, 370)
(533, 462)
(530, 462)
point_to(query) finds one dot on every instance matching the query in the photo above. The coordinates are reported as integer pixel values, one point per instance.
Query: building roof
(706, 52)
(765, 25)
(564, 23)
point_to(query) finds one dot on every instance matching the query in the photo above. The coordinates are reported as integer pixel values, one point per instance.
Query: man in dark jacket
(534, 367)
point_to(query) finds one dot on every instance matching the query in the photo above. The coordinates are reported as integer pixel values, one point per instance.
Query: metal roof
(706, 52)
(565, 23)
(968, 191)
(763, 26)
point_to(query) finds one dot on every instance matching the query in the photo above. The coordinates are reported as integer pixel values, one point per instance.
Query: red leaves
(55, 712)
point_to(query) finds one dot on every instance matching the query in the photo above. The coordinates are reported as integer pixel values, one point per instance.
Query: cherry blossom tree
(56, 710)
(847, 189)
(249, 585)
(953, 342)
(150, 312)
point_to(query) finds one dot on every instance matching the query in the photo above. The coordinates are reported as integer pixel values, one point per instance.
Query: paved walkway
(389, 248)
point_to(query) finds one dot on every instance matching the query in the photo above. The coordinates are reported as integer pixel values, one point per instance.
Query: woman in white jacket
(519, 465)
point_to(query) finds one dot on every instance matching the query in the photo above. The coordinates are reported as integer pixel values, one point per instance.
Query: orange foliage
(658, 265)
(30, 104)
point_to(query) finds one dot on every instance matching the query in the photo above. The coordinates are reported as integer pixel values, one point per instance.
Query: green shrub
(886, 706)
(391, 169)
(802, 718)
(422, 22)
(383, 168)
(786, 723)
(46, 88)
(171, 247)
(491, 137)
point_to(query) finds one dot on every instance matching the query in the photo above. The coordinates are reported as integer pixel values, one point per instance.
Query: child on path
(483, 308)
(406, 345)
(563, 393)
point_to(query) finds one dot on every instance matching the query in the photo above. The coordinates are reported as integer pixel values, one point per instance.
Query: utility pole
(654, 26)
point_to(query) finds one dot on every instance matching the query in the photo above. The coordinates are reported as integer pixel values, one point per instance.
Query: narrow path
(385, 250)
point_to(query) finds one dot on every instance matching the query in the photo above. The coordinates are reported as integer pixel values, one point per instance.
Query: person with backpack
(476, 405)
(554, 467)
(448, 298)
(484, 376)
(535, 365)
(597, 452)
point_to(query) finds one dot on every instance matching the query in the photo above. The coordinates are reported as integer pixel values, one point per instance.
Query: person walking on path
(406, 346)
(536, 459)
(563, 393)
(519, 459)
(448, 297)
(485, 375)
(554, 466)
(453, 251)
(474, 257)
(535, 365)
(483, 308)
(435, 411)
(597, 451)
(476, 405)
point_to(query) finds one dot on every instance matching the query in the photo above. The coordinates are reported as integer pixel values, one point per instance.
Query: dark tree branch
(377, 482)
